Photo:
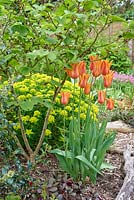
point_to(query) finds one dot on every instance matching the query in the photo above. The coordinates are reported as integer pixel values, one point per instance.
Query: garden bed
(47, 177)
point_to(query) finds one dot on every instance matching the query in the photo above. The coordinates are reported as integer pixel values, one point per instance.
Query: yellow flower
(51, 119)
(5, 82)
(24, 89)
(95, 108)
(38, 94)
(76, 110)
(48, 132)
(36, 113)
(28, 96)
(27, 81)
(21, 97)
(33, 120)
(93, 116)
(32, 91)
(57, 100)
(64, 113)
(25, 118)
(82, 116)
(68, 108)
(53, 112)
(16, 127)
(29, 131)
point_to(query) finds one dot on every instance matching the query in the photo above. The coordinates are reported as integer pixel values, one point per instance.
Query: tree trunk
(127, 190)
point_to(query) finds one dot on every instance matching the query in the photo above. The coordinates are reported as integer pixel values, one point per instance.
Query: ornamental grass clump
(85, 145)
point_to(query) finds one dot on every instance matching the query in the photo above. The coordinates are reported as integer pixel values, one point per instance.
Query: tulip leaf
(85, 161)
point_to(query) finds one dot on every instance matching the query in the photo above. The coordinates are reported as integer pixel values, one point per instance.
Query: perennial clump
(34, 95)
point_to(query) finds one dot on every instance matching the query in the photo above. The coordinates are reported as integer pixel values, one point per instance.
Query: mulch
(49, 179)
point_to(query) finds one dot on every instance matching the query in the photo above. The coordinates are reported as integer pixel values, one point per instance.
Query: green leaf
(128, 35)
(52, 55)
(92, 154)
(85, 161)
(26, 105)
(115, 18)
(24, 70)
(37, 53)
(23, 30)
(2, 2)
(131, 25)
(66, 154)
(48, 104)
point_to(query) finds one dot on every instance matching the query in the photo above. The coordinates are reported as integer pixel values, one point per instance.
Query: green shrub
(34, 95)
(13, 197)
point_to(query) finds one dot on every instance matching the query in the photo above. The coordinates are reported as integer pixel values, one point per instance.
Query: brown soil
(49, 179)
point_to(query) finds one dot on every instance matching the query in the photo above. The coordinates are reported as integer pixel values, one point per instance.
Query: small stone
(60, 197)
(51, 181)
(73, 194)
(53, 189)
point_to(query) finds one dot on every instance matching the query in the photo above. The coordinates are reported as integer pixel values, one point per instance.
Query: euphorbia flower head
(74, 72)
(101, 96)
(82, 67)
(87, 88)
(110, 104)
(83, 80)
(105, 67)
(65, 97)
(108, 79)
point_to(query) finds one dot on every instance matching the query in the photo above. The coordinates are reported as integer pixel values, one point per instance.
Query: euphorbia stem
(47, 116)
(26, 142)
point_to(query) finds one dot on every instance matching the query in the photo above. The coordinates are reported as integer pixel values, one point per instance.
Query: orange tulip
(101, 96)
(93, 58)
(105, 67)
(83, 80)
(82, 67)
(92, 63)
(97, 68)
(87, 88)
(74, 72)
(91, 66)
(65, 97)
(110, 104)
(108, 79)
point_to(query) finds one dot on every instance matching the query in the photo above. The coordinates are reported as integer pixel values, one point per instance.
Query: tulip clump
(85, 145)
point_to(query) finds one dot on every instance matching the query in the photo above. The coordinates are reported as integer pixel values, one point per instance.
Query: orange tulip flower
(93, 58)
(65, 97)
(82, 67)
(92, 61)
(87, 88)
(105, 67)
(108, 79)
(74, 72)
(97, 68)
(101, 96)
(110, 104)
(83, 80)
